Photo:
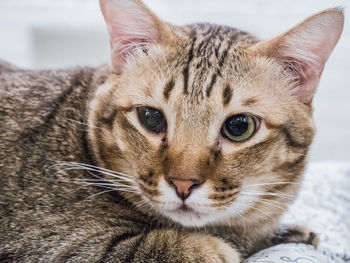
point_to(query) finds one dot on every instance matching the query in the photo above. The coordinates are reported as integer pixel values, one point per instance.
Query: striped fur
(197, 76)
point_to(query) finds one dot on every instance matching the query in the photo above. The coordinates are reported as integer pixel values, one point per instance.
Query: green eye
(239, 127)
(152, 119)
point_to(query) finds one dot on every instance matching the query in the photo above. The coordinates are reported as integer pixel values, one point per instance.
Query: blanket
(323, 206)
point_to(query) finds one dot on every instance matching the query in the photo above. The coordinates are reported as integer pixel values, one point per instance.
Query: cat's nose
(184, 187)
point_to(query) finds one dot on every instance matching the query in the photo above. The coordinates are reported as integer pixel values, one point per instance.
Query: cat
(189, 148)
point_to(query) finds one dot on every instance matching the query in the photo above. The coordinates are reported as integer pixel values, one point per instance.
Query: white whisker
(242, 219)
(274, 183)
(77, 166)
(120, 182)
(106, 173)
(269, 202)
(246, 75)
(115, 186)
(157, 64)
(105, 184)
(139, 203)
(99, 193)
(260, 211)
(271, 194)
(94, 167)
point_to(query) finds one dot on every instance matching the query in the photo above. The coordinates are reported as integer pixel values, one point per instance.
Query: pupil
(237, 125)
(153, 117)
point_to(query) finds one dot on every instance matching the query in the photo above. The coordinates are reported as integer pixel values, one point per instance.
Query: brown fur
(198, 75)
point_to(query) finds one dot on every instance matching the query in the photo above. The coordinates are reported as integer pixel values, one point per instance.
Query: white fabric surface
(323, 206)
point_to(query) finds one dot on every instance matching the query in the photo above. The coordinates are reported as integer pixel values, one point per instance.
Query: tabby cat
(187, 149)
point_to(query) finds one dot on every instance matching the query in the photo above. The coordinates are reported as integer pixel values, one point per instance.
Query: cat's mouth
(185, 208)
(187, 214)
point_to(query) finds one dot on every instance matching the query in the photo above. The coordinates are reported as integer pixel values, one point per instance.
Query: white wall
(65, 33)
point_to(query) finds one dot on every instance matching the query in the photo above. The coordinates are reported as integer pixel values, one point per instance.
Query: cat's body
(58, 127)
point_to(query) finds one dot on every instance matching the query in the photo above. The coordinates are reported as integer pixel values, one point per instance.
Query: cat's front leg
(294, 234)
(159, 245)
(173, 246)
(281, 235)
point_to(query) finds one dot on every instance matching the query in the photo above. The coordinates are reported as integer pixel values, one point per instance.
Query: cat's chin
(192, 217)
(185, 215)
(189, 217)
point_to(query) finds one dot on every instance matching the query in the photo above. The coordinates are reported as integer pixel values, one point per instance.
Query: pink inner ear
(305, 49)
(307, 74)
(131, 26)
(123, 49)
(305, 89)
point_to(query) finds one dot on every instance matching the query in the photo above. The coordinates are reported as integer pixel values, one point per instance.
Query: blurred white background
(66, 33)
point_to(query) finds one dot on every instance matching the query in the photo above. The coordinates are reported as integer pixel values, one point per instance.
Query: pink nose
(184, 187)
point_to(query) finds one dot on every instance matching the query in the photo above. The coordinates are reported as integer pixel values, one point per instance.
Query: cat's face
(209, 129)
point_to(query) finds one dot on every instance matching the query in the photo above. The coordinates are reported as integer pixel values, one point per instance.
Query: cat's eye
(239, 127)
(152, 119)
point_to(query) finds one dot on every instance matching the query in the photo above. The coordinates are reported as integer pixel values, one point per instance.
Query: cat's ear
(305, 48)
(131, 26)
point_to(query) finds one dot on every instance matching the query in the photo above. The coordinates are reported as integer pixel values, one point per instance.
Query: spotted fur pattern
(83, 181)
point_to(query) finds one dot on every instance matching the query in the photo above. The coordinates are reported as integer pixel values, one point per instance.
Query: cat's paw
(211, 250)
(295, 234)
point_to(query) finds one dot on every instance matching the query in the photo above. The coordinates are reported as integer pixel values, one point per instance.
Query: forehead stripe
(224, 54)
(168, 88)
(212, 83)
(227, 95)
(185, 72)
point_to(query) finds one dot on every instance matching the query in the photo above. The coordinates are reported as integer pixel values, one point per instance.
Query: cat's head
(209, 124)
